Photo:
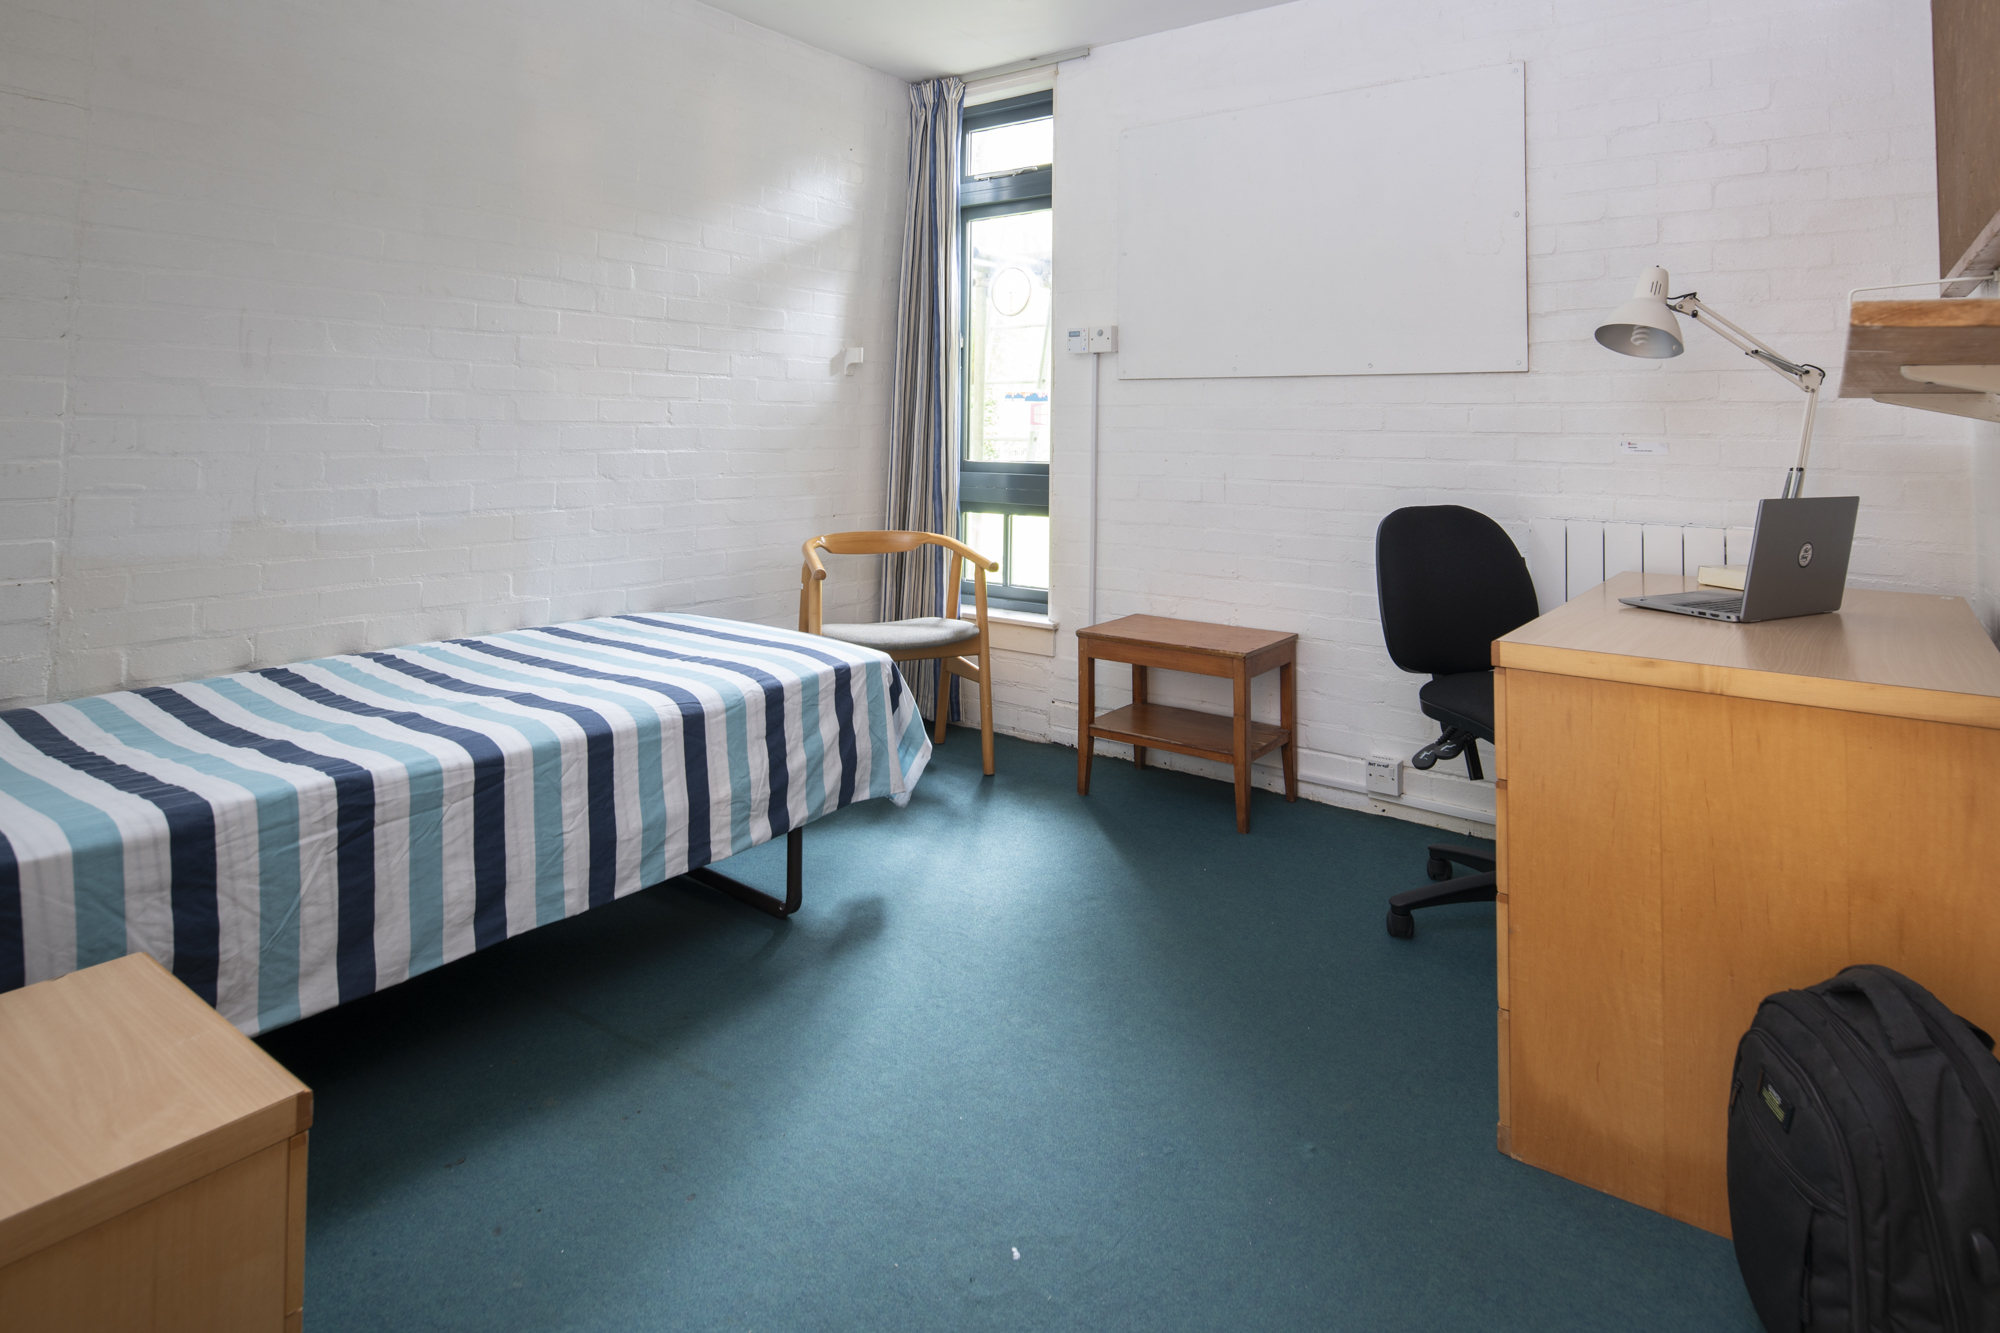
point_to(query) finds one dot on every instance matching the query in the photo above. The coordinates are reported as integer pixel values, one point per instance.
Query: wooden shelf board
(1885, 336)
(1183, 731)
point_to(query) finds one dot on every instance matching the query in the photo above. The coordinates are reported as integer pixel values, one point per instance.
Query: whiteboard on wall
(1381, 231)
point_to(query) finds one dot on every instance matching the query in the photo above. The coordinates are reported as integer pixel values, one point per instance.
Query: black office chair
(1449, 582)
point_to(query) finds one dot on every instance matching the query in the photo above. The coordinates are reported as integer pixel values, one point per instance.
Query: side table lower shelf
(1184, 731)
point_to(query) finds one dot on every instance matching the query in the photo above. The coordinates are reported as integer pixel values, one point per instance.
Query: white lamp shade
(1644, 326)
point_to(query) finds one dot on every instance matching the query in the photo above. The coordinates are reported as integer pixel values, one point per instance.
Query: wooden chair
(923, 637)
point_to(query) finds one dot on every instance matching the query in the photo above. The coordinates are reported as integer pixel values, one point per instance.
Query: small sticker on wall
(1641, 447)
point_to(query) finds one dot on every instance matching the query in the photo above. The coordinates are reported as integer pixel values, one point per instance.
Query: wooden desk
(1206, 650)
(1693, 815)
(152, 1161)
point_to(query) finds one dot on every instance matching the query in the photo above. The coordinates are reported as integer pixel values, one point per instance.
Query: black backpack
(1864, 1161)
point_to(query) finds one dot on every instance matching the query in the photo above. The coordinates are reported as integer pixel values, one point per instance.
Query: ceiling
(920, 39)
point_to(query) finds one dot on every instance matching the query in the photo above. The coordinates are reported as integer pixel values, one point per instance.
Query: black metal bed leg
(795, 880)
(795, 869)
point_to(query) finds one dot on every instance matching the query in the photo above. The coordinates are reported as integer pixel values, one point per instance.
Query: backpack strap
(1898, 1015)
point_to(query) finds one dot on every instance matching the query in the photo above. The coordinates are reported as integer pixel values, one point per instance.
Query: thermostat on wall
(1079, 341)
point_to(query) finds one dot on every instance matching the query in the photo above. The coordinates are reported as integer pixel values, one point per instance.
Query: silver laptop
(1798, 565)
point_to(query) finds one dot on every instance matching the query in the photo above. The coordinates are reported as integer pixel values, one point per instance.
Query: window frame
(1018, 488)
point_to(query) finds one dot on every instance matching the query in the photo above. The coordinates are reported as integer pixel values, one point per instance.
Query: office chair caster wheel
(1438, 870)
(1402, 925)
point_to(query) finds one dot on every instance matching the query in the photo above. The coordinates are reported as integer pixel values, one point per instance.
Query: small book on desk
(1721, 576)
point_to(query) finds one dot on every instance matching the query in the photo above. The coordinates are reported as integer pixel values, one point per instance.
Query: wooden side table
(1205, 650)
(152, 1161)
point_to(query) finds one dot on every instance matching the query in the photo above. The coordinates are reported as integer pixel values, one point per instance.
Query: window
(1006, 247)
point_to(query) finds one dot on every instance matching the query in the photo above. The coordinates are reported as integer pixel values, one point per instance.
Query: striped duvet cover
(289, 839)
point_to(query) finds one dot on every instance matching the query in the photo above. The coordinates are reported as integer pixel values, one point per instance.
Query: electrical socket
(1385, 775)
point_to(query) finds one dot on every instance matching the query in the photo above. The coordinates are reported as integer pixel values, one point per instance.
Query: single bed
(293, 838)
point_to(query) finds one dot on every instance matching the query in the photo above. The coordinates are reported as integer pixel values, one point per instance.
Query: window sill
(1000, 615)
(1017, 631)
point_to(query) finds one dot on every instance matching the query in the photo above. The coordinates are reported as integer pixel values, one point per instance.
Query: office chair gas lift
(1449, 581)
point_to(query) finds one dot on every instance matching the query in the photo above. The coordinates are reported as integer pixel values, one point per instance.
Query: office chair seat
(1464, 700)
(901, 636)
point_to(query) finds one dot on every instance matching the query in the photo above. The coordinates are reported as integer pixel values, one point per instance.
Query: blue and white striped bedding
(289, 839)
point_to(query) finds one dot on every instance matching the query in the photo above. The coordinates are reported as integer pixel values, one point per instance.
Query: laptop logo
(1805, 555)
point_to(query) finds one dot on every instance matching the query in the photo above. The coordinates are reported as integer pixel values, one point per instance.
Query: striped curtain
(923, 426)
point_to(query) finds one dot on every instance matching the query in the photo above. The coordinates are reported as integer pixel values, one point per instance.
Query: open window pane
(1010, 337)
(1016, 147)
(1031, 552)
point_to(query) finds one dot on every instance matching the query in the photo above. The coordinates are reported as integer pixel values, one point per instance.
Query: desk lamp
(1645, 327)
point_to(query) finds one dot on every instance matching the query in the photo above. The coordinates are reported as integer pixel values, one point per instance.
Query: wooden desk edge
(1847, 696)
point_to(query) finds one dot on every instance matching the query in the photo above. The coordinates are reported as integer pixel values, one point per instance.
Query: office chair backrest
(1449, 582)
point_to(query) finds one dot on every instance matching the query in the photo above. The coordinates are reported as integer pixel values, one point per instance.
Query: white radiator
(1568, 557)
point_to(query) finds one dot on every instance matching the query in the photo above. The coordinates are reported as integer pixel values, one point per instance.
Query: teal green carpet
(1025, 1060)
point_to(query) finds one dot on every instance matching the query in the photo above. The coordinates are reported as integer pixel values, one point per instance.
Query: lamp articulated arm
(1806, 378)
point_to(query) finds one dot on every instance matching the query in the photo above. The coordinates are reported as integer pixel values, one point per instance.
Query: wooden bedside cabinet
(152, 1161)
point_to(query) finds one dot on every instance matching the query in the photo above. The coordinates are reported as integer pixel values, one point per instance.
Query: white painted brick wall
(334, 327)
(1771, 153)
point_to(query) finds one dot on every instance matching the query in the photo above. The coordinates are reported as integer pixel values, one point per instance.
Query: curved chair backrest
(1448, 581)
(885, 543)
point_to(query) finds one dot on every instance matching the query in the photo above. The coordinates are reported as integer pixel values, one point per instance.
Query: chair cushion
(904, 636)
(1464, 700)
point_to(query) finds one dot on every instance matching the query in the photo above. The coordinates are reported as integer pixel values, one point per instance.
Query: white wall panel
(1663, 549)
(1548, 562)
(1622, 548)
(1585, 556)
(326, 328)
(1590, 553)
(1701, 546)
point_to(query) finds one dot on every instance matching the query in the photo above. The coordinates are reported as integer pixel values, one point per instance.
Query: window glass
(1010, 337)
(1006, 341)
(1024, 144)
(1031, 551)
(986, 534)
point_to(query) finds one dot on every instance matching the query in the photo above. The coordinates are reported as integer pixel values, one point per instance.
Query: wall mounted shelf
(1938, 355)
